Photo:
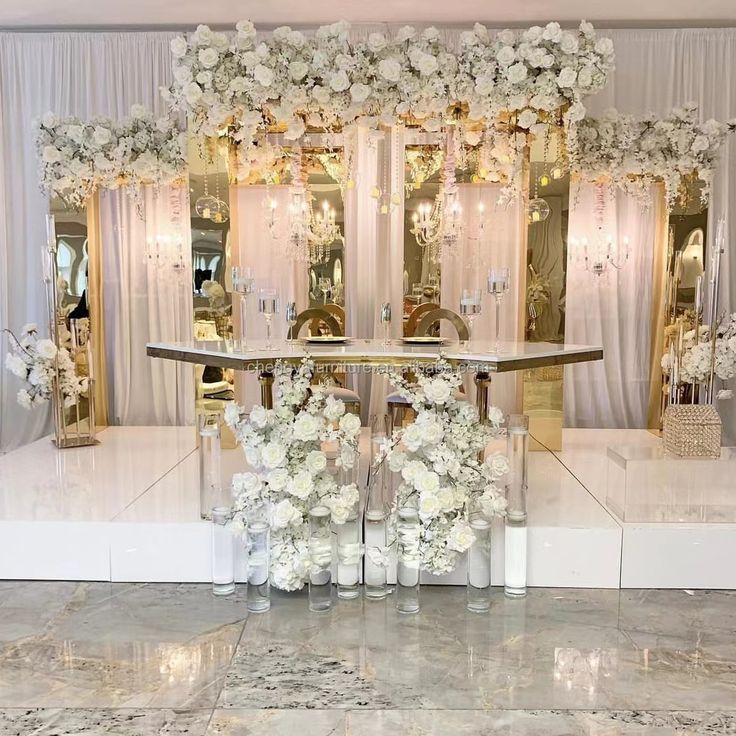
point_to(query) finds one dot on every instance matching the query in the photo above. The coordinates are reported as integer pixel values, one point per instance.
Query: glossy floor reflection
(139, 660)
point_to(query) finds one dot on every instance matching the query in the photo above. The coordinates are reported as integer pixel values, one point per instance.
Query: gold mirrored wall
(546, 280)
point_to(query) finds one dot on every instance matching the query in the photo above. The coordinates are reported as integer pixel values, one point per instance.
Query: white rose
(258, 417)
(334, 408)
(321, 94)
(283, 514)
(298, 70)
(359, 92)
(46, 349)
(390, 69)
(301, 485)
(295, 129)
(101, 135)
(316, 461)
(204, 78)
(567, 77)
(376, 42)
(51, 154)
(277, 479)
(446, 499)
(437, 391)
(411, 470)
(427, 482)
(15, 365)
(495, 416)
(604, 46)
(208, 57)
(137, 112)
(396, 461)
(178, 47)
(552, 32)
(506, 37)
(461, 537)
(585, 77)
(569, 42)
(263, 75)
(49, 120)
(245, 28)
(350, 424)
(427, 65)
(339, 81)
(306, 427)
(412, 437)
(246, 483)
(527, 119)
(506, 56)
(192, 93)
(432, 433)
(498, 464)
(273, 455)
(24, 399)
(517, 73)
(484, 84)
(429, 505)
(405, 33)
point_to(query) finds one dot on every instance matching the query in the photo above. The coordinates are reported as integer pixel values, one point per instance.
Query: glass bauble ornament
(537, 210)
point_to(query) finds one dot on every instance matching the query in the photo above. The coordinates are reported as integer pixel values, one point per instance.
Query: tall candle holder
(479, 567)
(223, 553)
(243, 286)
(499, 281)
(516, 517)
(210, 463)
(258, 534)
(407, 572)
(348, 534)
(320, 556)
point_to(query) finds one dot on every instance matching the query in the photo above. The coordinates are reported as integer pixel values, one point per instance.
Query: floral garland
(632, 153)
(36, 362)
(437, 458)
(326, 81)
(290, 472)
(79, 156)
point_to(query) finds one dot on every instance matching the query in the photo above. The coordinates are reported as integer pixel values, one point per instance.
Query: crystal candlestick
(348, 533)
(268, 305)
(259, 589)
(479, 567)
(515, 532)
(223, 553)
(471, 306)
(386, 322)
(498, 284)
(407, 574)
(320, 556)
(243, 285)
(210, 459)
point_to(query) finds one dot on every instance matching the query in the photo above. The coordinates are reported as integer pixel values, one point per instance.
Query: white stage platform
(128, 510)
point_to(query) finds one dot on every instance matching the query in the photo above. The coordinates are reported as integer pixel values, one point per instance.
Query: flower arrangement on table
(632, 153)
(290, 473)
(79, 156)
(36, 361)
(437, 457)
(215, 294)
(292, 82)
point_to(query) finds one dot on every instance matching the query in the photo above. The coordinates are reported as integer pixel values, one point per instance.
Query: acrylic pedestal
(645, 485)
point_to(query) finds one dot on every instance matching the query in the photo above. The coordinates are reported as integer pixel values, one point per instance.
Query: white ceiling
(183, 13)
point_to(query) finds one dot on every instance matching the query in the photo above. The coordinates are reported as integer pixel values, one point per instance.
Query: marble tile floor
(103, 659)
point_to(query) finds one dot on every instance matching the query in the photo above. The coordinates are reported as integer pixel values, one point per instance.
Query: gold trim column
(95, 306)
(659, 278)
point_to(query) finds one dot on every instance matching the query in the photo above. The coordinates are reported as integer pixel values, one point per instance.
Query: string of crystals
(164, 252)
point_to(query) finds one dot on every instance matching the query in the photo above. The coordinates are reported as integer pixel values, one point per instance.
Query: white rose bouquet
(35, 362)
(290, 470)
(437, 459)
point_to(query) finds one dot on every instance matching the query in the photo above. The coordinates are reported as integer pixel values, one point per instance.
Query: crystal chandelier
(603, 250)
(323, 232)
(438, 227)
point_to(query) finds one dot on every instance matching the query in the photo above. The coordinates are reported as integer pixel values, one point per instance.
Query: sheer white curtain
(81, 74)
(657, 70)
(146, 301)
(266, 253)
(497, 244)
(612, 310)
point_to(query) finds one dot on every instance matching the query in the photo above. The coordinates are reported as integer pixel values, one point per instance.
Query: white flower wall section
(437, 459)
(631, 153)
(290, 472)
(326, 80)
(77, 157)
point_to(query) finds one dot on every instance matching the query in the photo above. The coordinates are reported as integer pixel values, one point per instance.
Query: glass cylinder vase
(515, 544)
(348, 533)
(407, 571)
(223, 552)
(320, 556)
(377, 509)
(258, 596)
(210, 460)
(479, 567)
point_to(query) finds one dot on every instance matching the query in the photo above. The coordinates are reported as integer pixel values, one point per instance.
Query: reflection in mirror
(547, 221)
(422, 273)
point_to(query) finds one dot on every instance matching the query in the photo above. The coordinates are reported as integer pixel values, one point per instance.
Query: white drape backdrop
(145, 301)
(496, 245)
(83, 74)
(657, 70)
(612, 310)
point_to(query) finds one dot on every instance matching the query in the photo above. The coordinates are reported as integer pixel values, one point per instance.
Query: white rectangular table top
(474, 355)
